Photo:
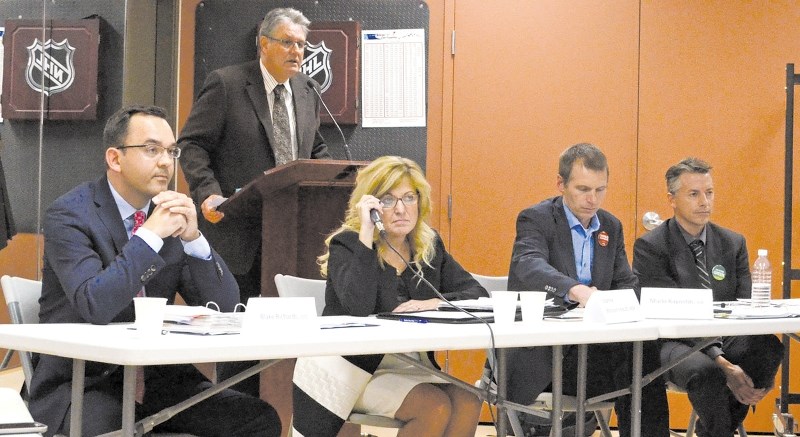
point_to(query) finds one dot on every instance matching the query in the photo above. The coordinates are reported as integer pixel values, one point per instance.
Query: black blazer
(91, 274)
(358, 286)
(661, 258)
(543, 258)
(226, 143)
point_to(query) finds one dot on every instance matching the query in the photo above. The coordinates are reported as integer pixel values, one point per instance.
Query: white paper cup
(149, 315)
(532, 305)
(504, 306)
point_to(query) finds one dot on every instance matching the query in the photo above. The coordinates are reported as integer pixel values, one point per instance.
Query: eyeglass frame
(412, 202)
(173, 152)
(287, 43)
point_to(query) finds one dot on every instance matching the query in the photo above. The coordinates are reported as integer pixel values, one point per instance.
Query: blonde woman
(365, 276)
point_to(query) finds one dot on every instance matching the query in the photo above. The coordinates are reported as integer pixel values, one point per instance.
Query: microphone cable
(344, 140)
(493, 358)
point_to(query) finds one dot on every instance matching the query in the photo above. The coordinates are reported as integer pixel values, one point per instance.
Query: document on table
(199, 320)
(741, 309)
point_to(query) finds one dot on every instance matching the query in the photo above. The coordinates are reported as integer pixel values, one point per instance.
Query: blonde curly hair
(378, 178)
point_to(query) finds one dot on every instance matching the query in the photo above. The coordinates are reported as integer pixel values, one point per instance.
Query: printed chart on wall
(393, 78)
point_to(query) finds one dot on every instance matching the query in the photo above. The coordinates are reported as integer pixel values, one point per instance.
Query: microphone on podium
(311, 83)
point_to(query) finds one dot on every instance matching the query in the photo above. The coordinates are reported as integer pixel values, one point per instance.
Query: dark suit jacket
(661, 258)
(91, 274)
(226, 144)
(543, 258)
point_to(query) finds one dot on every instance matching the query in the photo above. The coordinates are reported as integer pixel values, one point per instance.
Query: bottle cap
(762, 252)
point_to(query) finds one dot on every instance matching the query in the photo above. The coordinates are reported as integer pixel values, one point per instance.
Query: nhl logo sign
(317, 64)
(50, 67)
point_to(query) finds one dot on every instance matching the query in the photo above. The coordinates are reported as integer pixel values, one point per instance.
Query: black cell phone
(22, 428)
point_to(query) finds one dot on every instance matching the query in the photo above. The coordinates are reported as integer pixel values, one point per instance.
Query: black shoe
(568, 425)
(537, 427)
(534, 426)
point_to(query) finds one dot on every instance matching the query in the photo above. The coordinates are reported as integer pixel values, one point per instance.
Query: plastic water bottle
(762, 281)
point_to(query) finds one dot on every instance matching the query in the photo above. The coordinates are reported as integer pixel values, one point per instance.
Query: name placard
(263, 312)
(677, 303)
(612, 306)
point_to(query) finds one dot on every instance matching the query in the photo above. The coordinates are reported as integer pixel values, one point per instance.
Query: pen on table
(408, 319)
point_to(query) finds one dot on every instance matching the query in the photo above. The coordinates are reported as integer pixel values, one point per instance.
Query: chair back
(293, 286)
(492, 283)
(22, 298)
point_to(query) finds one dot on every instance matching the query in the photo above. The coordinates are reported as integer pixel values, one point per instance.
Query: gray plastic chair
(22, 298)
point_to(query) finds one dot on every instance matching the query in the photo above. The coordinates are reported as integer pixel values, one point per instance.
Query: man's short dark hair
(117, 125)
(588, 154)
(687, 165)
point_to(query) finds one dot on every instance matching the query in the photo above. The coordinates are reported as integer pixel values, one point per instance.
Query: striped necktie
(700, 262)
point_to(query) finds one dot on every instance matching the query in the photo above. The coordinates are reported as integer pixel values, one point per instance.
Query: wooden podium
(299, 203)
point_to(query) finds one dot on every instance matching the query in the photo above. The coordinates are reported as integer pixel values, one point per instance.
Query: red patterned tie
(138, 221)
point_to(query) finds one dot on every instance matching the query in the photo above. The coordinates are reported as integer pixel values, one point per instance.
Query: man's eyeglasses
(289, 44)
(389, 201)
(154, 151)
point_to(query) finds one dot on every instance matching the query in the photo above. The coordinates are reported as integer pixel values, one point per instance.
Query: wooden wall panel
(527, 85)
(712, 86)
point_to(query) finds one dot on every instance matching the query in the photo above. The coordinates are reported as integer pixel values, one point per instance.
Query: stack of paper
(201, 320)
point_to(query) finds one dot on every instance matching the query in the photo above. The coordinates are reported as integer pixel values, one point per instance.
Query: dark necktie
(700, 262)
(281, 128)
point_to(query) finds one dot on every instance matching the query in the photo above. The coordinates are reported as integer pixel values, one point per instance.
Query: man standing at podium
(247, 119)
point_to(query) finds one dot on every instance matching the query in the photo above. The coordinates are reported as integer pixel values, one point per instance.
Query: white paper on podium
(677, 303)
(612, 306)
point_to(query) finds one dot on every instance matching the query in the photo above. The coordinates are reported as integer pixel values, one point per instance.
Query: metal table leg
(636, 390)
(76, 416)
(502, 391)
(128, 401)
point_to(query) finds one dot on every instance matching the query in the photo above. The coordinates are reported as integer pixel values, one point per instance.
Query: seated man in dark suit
(94, 265)
(569, 247)
(724, 379)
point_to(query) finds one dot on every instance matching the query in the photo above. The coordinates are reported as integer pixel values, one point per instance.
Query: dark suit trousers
(609, 369)
(718, 411)
(249, 286)
(228, 413)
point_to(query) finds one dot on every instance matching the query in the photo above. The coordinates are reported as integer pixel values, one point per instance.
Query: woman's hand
(417, 305)
(367, 203)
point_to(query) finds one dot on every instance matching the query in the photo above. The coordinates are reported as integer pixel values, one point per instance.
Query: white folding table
(117, 344)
